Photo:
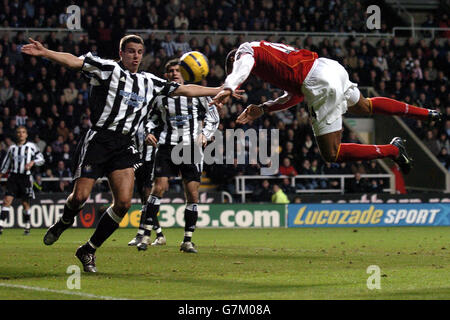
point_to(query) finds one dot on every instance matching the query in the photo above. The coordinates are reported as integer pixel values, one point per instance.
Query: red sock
(382, 105)
(355, 152)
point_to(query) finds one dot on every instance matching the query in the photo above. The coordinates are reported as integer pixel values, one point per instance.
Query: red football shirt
(283, 66)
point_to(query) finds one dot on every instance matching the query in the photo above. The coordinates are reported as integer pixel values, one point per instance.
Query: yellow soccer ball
(194, 66)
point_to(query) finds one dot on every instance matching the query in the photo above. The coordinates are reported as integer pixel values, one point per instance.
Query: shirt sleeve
(96, 67)
(212, 118)
(38, 157)
(162, 87)
(242, 67)
(287, 100)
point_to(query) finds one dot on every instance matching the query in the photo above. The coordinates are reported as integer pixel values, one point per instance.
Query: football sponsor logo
(87, 218)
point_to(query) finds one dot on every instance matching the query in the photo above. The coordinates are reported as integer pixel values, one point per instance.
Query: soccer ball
(194, 66)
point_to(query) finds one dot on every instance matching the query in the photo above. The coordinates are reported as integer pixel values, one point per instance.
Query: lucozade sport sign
(368, 215)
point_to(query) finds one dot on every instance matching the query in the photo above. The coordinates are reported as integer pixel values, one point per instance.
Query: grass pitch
(235, 264)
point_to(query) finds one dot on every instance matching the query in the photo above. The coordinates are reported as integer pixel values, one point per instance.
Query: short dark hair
(130, 38)
(171, 63)
(229, 60)
(22, 127)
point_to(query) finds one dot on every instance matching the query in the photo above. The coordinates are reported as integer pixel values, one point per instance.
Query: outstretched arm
(35, 48)
(193, 90)
(287, 100)
(242, 68)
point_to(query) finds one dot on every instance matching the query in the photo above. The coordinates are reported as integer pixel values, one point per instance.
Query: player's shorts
(328, 92)
(143, 175)
(101, 152)
(20, 186)
(165, 166)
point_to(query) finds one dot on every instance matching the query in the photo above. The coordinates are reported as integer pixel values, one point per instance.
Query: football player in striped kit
(18, 162)
(182, 120)
(120, 98)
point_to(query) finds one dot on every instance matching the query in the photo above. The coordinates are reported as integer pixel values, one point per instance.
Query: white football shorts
(328, 92)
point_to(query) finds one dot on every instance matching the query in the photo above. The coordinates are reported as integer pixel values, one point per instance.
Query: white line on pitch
(73, 293)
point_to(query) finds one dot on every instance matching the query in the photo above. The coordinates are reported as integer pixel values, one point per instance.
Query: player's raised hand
(34, 48)
(250, 113)
(221, 98)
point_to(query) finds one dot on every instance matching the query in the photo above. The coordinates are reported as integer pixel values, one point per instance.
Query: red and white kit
(322, 82)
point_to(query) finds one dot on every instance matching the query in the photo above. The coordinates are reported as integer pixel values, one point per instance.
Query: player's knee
(158, 189)
(329, 155)
(78, 199)
(122, 206)
(192, 197)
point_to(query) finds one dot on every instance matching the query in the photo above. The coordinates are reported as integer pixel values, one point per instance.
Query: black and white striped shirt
(146, 151)
(18, 156)
(182, 119)
(119, 99)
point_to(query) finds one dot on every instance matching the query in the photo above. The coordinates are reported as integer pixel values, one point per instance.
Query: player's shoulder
(93, 57)
(31, 145)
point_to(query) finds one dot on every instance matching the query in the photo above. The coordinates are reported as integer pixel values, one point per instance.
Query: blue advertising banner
(368, 215)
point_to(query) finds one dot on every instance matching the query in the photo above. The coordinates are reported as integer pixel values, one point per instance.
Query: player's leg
(74, 203)
(332, 150)
(6, 208)
(191, 174)
(160, 239)
(160, 185)
(139, 174)
(163, 168)
(144, 187)
(26, 200)
(121, 183)
(329, 93)
(190, 215)
(387, 106)
(26, 216)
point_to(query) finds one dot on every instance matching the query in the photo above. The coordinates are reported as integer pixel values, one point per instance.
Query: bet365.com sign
(368, 215)
(216, 215)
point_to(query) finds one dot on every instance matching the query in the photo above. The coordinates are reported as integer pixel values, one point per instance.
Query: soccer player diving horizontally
(328, 92)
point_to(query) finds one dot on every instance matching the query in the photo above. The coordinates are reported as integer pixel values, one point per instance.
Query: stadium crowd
(51, 101)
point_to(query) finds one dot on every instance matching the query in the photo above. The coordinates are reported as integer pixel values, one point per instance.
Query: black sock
(151, 212)
(158, 231)
(142, 231)
(190, 220)
(89, 247)
(69, 214)
(26, 219)
(108, 223)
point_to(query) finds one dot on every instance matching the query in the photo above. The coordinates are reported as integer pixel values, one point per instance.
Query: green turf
(326, 263)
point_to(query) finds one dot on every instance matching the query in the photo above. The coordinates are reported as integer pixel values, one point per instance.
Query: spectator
(263, 193)
(358, 184)
(70, 93)
(431, 142)
(287, 187)
(169, 45)
(6, 92)
(62, 130)
(278, 195)
(444, 158)
(287, 169)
